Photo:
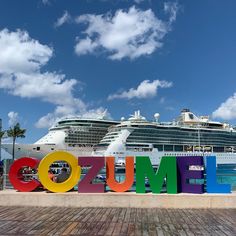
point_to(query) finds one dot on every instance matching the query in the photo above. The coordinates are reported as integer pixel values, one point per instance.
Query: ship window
(190, 116)
(218, 149)
(38, 148)
(179, 148)
(159, 147)
(168, 148)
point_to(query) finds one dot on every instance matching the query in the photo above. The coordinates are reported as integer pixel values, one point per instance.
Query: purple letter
(86, 185)
(184, 174)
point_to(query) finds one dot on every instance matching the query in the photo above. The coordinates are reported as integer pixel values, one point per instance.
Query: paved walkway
(116, 221)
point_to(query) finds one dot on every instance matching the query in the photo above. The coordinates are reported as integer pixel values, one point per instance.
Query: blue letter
(212, 185)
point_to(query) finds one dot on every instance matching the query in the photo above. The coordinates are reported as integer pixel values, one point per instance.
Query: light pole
(199, 140)
(0, 140)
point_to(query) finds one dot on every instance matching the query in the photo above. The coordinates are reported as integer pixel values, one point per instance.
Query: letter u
(129, 174)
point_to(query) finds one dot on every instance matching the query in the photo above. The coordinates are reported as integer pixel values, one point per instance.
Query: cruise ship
(76, 135)
(188, 135)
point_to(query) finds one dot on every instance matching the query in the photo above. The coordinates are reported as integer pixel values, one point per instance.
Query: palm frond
(15, 132)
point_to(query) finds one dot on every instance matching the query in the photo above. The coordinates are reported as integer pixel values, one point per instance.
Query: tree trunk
(0, 149)
(13, 148)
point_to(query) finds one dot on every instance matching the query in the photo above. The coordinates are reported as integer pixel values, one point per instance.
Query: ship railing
(222, 178)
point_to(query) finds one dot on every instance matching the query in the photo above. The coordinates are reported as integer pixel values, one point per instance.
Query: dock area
(116, 221)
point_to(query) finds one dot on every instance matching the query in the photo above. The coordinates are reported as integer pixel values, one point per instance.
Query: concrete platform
(111, 199)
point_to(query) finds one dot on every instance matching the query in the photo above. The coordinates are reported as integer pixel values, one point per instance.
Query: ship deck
(116, 221)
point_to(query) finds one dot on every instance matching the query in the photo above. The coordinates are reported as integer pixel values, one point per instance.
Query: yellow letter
(45, 164)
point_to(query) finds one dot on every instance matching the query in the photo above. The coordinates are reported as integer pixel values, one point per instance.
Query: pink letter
(86, 185)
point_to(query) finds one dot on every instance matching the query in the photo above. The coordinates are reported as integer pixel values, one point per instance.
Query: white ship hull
(136, 137)
(76, 135)
(155, 156)
(221, 158)
(30, 150)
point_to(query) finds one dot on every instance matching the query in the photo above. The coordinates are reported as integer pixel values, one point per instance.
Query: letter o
(45, 165)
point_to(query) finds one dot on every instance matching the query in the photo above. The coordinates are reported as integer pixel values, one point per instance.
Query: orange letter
(129, 175)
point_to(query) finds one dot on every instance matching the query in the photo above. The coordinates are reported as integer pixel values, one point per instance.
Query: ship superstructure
(75, 134)
(188, 135)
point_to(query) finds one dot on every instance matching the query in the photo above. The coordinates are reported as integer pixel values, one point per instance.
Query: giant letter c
(16, 178)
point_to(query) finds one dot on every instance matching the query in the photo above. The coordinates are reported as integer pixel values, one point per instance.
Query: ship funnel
(185, 110)
(157, 116)
(137, 116)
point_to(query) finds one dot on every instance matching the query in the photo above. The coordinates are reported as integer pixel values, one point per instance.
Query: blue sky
(60, 58)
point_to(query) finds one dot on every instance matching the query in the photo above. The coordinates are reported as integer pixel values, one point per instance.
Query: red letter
(86, 185)
(16, 177)
(129, 175)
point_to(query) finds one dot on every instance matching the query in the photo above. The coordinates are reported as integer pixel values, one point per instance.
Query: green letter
(166, 169)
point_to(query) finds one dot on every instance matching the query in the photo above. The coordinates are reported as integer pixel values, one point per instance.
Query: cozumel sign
(173, 169)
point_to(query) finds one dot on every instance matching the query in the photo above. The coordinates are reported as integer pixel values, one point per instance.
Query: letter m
(167, 170)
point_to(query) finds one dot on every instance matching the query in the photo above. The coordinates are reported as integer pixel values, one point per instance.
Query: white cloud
(65, 18)
(162, 100)
(46, 121)
(49, 87)
(227, 110)
(51, 118)
(138, 1)
(21, 61)
(20, 53)
(131, 33)
(97, 113)
(171, 9)
(85, 46)
(13, 118)
(75, 106)
(46, 2)
(146, 89)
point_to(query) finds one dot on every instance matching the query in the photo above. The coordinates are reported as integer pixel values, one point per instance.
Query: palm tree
(15, 132)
